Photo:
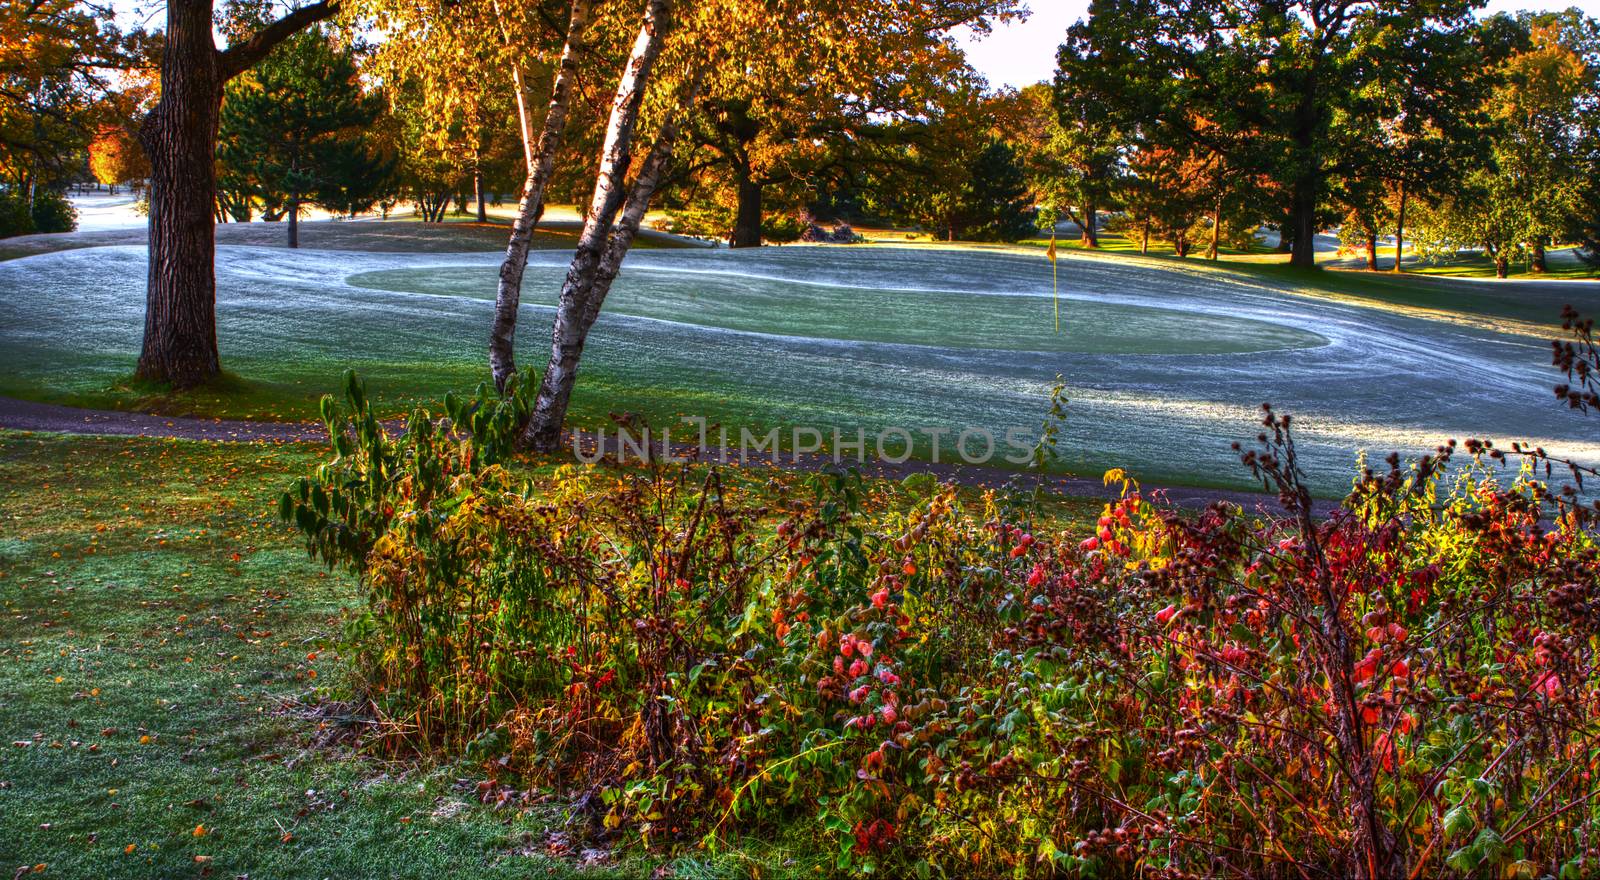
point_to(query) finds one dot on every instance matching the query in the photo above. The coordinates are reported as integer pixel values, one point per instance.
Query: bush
(14, 216)
(841, 234)
(701, 220)
(52, 212)
(944, 687)
(782, 229)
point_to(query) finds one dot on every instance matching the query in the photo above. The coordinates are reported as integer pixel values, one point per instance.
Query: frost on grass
(1156, 358)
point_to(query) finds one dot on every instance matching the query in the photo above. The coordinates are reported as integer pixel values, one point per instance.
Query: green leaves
(1459, 821)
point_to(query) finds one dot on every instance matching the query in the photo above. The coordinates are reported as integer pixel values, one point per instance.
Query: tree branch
(238, 58)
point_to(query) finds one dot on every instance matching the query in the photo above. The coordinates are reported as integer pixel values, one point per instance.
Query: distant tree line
(1196, 122)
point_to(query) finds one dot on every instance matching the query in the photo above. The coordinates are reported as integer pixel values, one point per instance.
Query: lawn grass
(168, 659)
(1428, 287)
(1480, 266)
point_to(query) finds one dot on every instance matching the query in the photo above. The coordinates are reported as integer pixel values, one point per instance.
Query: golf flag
(1055, 292)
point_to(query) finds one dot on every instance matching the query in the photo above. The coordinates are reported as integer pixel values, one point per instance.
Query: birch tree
(541, 166)
(604, 242)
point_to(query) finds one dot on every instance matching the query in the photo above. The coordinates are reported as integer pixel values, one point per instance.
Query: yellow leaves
(200, 831)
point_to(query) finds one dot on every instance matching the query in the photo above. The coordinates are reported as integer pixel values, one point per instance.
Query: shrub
(14, 216)
(782, 228)
(841, 234)
(52, 212)
(1405, 686)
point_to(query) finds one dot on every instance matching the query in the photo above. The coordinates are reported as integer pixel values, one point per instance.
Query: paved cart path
(24, 415)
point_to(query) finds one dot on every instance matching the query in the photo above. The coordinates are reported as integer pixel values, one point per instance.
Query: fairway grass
(171, 688)
(1165, 361)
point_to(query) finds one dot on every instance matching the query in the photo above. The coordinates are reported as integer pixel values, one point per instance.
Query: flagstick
(1055, 293)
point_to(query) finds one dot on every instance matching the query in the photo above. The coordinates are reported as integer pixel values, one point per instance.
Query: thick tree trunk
(294, 220)
(180, 137)
(1536, 263)
(1372, 251)
(1400, 231)
(1304, 252)
(1144, 238)
(1091, 238)
(541, 164)
(747, 219)
(577, 309)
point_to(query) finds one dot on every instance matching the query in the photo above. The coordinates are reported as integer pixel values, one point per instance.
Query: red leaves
(873, 837)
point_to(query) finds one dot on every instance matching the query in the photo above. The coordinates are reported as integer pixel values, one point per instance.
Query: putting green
(834, 312)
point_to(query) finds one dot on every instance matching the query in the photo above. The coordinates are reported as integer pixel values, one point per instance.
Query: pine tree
(297, 127)
(995, 203)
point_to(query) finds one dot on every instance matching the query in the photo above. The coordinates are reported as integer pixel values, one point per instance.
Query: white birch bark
(541, 165)
(576, 311)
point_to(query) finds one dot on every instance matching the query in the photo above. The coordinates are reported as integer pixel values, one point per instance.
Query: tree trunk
(1400, 231)
(294, 220)
(477, 192)
(1091, 238)
(1216, 231)
(1536, 262)
(747, 220)
(1372, 251)
(1144, 238)
(577, 309)
(541, 164)
(1304, 253)
(180, 137)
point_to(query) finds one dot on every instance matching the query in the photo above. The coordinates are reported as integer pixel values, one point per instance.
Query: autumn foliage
(1404, 688)
(115, 157)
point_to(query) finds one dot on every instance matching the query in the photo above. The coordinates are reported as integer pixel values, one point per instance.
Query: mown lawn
(172, 690)
(165, 653)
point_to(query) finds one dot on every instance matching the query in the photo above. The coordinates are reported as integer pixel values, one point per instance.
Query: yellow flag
(1050, 254)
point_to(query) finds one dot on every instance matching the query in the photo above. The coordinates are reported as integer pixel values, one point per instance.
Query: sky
(1021, 54)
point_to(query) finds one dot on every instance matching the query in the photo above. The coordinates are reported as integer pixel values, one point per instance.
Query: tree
(1283, 85)
(802, 88)
(180, 137)
(995, 204)
(1074, 154)
(115, 157)
(959, 172)
(1525, 192)
(55, 57)
(1166, 194)
(541, 167)
(297, 126)
(610, 224)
